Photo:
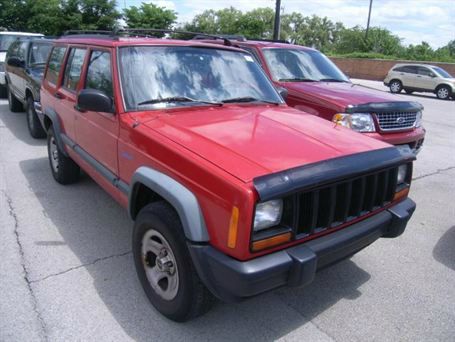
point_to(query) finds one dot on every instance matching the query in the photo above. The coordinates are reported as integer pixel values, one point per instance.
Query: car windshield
(442, 72)
(6, 40)
(161, 77)
(39, 53)
(295, 65)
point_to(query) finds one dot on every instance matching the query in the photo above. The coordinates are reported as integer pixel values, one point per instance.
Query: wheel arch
(148, 185)
(51, 119)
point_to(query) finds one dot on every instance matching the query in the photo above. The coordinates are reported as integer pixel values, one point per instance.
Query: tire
(160, 252)
(34, 125)
(3, 91)
(408, 91)
(64, 169)
(14, 104)
(395, 86)
(443, 92)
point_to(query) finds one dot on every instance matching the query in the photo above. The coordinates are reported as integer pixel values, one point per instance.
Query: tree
(149, 16)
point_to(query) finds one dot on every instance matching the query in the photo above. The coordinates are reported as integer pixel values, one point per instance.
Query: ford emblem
(400, 120)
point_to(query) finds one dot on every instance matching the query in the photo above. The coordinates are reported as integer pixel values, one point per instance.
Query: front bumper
(414, 139)
(232, 280)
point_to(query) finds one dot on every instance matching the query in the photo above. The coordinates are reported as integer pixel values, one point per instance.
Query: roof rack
(272, 40)
(139, 32)
(237, 37)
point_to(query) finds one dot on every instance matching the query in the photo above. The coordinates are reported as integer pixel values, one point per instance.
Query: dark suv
(25, 62)
(233, 193)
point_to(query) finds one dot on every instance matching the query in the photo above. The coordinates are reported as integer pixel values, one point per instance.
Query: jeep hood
(250, 141)
(340, 94)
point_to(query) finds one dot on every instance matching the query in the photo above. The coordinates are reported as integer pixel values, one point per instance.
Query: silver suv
(421, 78)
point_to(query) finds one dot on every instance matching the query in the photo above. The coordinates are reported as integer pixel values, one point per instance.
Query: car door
(409, 77)
(426, 78)
(96, 132)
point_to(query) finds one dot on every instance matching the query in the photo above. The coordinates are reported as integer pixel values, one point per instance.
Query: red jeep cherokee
(233, 193)
(315, 85)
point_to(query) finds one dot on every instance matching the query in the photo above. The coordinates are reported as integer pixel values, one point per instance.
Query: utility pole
(368, 22)
(276, 27)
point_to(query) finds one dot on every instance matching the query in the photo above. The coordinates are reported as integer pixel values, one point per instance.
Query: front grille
(339, 203)
(396, 120)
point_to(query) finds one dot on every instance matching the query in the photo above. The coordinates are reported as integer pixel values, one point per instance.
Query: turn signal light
(401, 194)
(271, 242)
(233, 225)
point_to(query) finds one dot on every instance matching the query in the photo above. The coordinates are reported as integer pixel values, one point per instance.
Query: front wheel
(443, 92)
(395, 86)
(34, 125)
(164, 265)
(63, 168)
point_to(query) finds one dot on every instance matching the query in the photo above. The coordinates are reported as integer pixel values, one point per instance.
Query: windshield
(161, 77)
(442, 72)
(289, 65)
(39, 53)
(6, 40)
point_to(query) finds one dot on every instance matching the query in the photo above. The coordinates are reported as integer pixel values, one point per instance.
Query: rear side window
(99, 74)
(74, 68)
(410, 69)
(22, 50)
(55, 62)
(39, 53)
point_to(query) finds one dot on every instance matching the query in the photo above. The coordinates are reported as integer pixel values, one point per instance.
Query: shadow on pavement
(17, 124)
(88, 219)
(444, 251)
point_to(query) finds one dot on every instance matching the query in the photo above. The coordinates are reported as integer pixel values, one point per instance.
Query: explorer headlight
(268, 214)
(360, 122)
(402, 173)
(419, 118)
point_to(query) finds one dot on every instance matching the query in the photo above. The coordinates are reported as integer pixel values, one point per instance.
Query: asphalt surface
(66, 271)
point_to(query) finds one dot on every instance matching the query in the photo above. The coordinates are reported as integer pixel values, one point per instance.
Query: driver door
(96, 132)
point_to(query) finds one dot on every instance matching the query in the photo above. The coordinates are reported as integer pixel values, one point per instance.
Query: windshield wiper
(296, 80)
(331, 80)
(248, 99)
(176, 99)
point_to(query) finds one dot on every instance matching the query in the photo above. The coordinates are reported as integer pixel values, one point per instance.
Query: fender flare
(180, 197)
(53, 116)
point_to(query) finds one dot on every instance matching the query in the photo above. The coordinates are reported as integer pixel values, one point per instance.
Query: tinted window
(55, 63)
(424, 71)
(12, 51)
(99, 72)
(74, 68)
(400, 69)
(22, 50)
(410, 69)
(6, 40)
(39, 53)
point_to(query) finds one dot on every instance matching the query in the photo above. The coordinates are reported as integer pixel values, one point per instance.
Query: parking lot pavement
(66, 271)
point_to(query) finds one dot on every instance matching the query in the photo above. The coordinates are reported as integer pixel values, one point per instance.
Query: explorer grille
(396, 120)
(339, 203)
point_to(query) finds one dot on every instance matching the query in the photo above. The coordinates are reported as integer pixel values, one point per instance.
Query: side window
(253, 53)
(55, 63)
(99, 72)
(73, 68)
(410, 69)
(21, 51)
(425, 72)
(39, 52)
(400, 69)
(12, 51)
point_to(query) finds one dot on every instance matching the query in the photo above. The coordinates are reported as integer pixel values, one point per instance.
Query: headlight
(419, 118)
(402, 172)
(268, 214)
(360, 122)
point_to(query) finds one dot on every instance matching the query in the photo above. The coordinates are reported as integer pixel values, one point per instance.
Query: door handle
(58, 95)
(419, 76)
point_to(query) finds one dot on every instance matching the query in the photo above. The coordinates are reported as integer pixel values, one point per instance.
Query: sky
(415, 21)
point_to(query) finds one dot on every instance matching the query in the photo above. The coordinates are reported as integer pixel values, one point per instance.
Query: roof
(29, 34)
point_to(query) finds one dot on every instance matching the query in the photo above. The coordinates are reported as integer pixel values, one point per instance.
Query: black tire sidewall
(33, 124)
(178, 308)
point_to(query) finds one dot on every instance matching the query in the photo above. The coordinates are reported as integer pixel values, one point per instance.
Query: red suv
(233, 193)
(316, 86)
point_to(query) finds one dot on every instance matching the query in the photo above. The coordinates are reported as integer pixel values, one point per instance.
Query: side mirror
(15, 62)
(94, 100)
(282, 91)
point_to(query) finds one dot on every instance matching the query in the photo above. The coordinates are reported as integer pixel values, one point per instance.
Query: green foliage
(52, 17)
(149, 16)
